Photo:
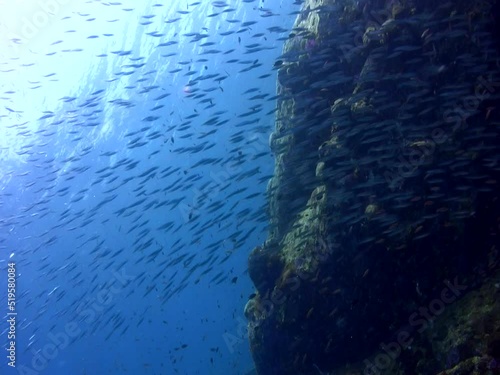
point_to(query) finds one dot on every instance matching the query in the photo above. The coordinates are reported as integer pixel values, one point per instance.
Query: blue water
(106, 289)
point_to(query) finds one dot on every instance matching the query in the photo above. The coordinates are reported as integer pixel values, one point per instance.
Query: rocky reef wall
(384, 203)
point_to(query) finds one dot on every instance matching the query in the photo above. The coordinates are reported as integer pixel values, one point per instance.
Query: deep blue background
(58, 173)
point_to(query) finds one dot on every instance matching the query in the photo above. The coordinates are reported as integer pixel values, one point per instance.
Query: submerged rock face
(384, 198)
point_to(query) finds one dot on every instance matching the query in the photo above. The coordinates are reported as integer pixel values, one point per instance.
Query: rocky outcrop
(384, 198)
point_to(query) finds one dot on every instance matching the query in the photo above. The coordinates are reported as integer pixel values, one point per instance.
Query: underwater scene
(250, 187)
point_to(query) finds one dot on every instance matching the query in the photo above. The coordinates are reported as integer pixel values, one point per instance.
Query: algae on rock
(376, 198)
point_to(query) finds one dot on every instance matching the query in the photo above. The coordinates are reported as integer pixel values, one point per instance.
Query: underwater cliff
(382, 255)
